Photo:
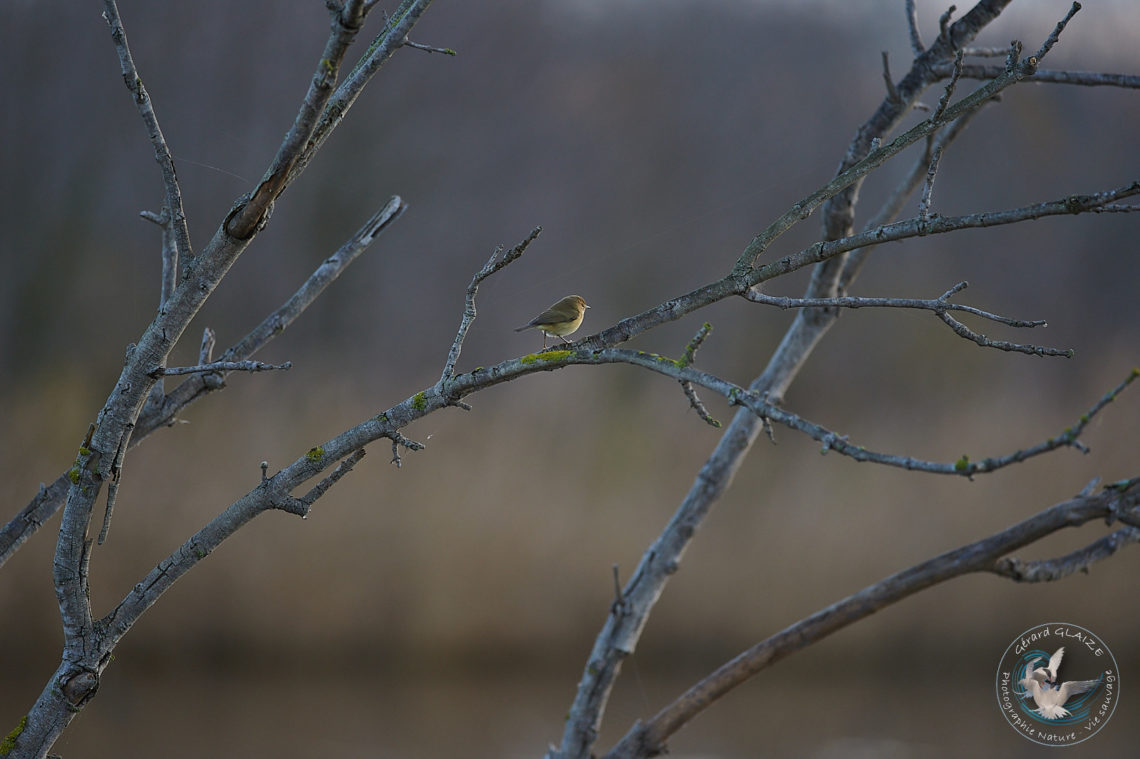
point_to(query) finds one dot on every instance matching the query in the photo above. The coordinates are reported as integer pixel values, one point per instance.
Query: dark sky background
(651, 144)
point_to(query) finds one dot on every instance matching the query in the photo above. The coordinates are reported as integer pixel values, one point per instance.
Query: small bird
(1050, 697)
(561, 319)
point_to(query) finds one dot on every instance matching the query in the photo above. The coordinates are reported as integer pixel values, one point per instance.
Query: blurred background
(447, 608)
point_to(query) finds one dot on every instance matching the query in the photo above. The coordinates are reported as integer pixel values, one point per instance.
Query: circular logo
(1057, 684)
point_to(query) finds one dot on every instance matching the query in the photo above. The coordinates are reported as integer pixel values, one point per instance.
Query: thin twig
(173, 217)
(686, 360)
(948, 91)
(892, 91)
(115, 473)
(965, 332)
(343, 468)
(496, 262)
(914, 227)
(429, 48)
(916, 45)
(397, 441)
(1055, 35)
(695, 402)
(928, 185)
(325, 274)
(1082, 78)
(872, 160)
(986, 52)
(1051, 570)
(940, 306)
(223, 366)
(206, 348)
(894, 203)
(944, 25)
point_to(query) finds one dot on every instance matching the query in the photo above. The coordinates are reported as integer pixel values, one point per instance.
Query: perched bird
(1050, 697)
(561, 319)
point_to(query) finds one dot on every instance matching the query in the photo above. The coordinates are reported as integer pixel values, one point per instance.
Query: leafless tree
(138, 403)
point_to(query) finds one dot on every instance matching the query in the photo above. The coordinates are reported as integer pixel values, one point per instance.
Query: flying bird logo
(1050, 695)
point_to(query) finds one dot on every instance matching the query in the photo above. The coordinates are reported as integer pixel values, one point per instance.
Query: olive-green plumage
(561, 319)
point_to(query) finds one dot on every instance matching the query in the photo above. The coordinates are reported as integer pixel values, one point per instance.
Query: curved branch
(648, 739)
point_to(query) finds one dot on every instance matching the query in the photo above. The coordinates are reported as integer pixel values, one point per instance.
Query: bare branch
(944, 25)
(948, 91)
(343, 468)
(397, 441)
(223, 366)
(648, 739)
(940, 306)
(273, 493)
(916, 45)
(173, 217)
(113, 487)
(699, 407)
(928, 186)
(1082, 78)
(429, 48)
(1055, 35)
(986, 52)
(251, 214)
(1052, 570)
(894, 203)
(915, 227)
(962, 330)
(873, 159)
(325, 274)
(496, 262)
(390, 39)
(619, 636)
(206, 349)
(687, 360)
(48, 501)
(694, 345)
(892, 91)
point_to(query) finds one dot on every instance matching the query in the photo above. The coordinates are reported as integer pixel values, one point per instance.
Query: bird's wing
(1055, 662)
(1073, 687)
(1038, 673)
(550, 316)
(1032, 689)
